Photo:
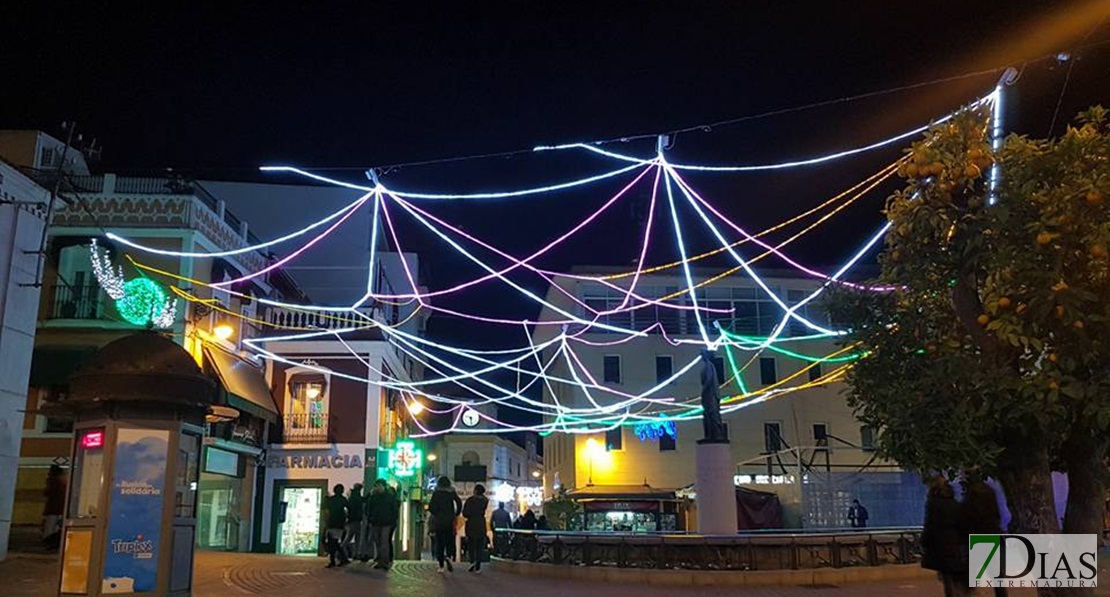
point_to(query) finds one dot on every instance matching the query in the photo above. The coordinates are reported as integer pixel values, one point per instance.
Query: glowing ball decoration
(143, 302)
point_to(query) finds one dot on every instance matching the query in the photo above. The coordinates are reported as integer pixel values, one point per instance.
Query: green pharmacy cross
(404, 459)
(140, 301)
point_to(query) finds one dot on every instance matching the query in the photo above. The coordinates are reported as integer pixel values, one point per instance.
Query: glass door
(299, 532)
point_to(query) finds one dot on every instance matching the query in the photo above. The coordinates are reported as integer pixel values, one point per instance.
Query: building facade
(793, 434)
(75, 317)
(23, 207)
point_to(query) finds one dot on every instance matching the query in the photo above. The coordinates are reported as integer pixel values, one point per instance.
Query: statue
(714, 429)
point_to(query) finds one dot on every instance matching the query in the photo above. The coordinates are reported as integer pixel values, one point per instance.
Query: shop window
(768, 373)
(614, 440)
(664, 368)
(772, 437)
(612, 367)
(667, 443)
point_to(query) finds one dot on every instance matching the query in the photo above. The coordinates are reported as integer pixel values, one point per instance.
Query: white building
(23, 206)
(799, 444)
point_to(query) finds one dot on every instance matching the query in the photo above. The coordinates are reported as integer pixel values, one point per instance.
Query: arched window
(470, 458)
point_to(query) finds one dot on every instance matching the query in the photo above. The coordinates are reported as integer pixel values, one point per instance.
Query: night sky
(213, 93)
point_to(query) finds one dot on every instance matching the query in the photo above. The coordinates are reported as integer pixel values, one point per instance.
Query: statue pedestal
(716, 495)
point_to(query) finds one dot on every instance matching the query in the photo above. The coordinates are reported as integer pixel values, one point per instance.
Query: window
(306, 406)
(772, 437)
(46, 157)
(667, 443)
(470, 459)
(56, 393)
(614, 440)
(867, 438)
(612, 366)
(821, 435)
(767, 371)
(664, 368)
(815, 372)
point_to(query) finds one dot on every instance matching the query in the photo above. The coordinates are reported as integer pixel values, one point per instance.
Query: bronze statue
(712, 426)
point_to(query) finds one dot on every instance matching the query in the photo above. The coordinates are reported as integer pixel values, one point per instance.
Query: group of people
(444, 510)
(948, 523)
(360, 526)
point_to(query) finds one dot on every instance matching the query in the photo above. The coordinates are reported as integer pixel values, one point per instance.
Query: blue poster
(134, 522)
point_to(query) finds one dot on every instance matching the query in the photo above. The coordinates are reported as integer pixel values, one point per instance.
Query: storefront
(296, 482)
(634, 509)
(226, 492)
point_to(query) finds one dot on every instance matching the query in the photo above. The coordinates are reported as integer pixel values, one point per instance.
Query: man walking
(335, 515)
(352, 537)
(381, 513)
(500, 519)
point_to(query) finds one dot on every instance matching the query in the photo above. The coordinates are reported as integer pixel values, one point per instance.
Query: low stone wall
(729, 578)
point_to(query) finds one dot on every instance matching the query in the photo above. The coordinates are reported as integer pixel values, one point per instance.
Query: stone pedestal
(716, 495)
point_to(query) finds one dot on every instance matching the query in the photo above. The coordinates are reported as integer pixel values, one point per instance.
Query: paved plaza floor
(240, 575)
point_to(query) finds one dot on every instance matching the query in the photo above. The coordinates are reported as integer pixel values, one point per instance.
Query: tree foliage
(993, 345)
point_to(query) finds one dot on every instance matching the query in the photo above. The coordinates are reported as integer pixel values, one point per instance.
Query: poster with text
(134, 525)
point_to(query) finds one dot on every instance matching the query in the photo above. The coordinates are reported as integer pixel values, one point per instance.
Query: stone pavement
(237, 574)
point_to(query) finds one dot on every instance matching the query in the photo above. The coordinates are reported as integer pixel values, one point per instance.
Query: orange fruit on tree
(912, 170)
(1098, 252)
(1044, 238)
(1052, 357)
(1093, 198)
(975, 153)
(1004, 302)
(1078, 324)
(972, 171)
(1021, 308)
(983, 319)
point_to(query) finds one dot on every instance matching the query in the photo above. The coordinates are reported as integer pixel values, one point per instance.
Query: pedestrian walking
(474, 510)
(444, 508)
(335, 516)
(981, 511)
(352, 536)
(857, 515)
(500, 520)
(52, 511)
(381, 513)
(944, 538)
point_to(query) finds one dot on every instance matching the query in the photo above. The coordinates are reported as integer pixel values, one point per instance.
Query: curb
(712, 578)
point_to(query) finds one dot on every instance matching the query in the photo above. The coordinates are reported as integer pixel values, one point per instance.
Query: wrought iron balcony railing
(305, 428)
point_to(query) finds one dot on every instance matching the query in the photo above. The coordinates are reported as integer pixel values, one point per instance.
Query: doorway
(298, 530)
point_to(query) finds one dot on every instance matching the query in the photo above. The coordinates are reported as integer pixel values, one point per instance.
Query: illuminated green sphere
(143, 301)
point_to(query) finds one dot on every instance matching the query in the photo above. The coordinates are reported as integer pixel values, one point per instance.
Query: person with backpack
(474, 510)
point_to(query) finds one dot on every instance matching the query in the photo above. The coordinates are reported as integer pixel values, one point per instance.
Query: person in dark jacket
(981, 511)
(944, 538)
(527, 522)
(542, 524)
(474, 510)
(54, 508)
(335, 517)
(444, 507)
(352, 536)
(857, 515)
(500, 519)
(381, 514)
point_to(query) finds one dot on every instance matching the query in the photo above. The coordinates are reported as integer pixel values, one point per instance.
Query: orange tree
(994, 349)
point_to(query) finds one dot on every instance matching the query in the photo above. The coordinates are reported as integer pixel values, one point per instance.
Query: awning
(53, 366)
(245, 385)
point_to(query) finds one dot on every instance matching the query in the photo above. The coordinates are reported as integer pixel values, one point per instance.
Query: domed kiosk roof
(145, 367)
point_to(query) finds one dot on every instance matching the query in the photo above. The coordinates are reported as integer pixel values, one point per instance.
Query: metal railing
(77, 302)
(323, 320)
(305, 428)
(763, 550)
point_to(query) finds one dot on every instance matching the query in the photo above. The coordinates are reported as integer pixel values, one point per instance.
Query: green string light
(142, 302)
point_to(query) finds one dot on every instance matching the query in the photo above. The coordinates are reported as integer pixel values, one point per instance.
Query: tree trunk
(1026, 478)
(1086, 467)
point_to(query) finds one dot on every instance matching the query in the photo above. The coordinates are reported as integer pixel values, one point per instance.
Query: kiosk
(139, 409)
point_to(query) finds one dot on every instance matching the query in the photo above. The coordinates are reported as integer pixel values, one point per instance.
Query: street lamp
(432, 457)
(223, 331)
(536, 474)
(592, 447)
(416, 407)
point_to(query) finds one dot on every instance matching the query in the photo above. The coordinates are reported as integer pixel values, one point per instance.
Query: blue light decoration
(654, 430)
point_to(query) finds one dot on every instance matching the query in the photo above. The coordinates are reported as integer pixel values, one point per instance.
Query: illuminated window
(307, 408)
(614, 439)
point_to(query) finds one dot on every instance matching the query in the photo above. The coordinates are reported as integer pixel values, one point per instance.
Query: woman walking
(944, 538)
(475, 513)
(444, 507)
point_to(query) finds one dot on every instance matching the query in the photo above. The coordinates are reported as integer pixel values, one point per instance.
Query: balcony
(285, 320)
(78, 302)
(311, 428)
